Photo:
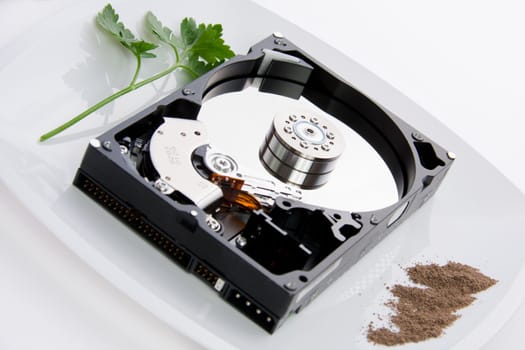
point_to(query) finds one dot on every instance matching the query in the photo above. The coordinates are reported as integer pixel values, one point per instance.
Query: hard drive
(268, 228)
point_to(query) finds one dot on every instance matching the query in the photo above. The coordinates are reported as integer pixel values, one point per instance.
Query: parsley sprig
(198, 49)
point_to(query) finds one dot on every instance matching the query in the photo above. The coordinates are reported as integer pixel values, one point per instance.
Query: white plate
(476, 217)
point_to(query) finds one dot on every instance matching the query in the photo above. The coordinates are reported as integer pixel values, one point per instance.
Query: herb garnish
(198, 49)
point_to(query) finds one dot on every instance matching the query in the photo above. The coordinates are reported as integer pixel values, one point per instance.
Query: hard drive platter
(267, 177)
(360, 180)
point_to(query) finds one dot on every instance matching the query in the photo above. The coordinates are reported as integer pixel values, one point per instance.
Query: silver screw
(107, 145)
(123, 149)
(290, 286)
(325, 147)
(241, 241)
(374, 220)
(278, 35)
(451, 155)
(95, 143)
(194, 213)
(213, 223)
(162, 186)
(330, 135)
(187, 92)
(292, 117)
(314, 120)
(417, 136)
(304, 144)
(287, 129)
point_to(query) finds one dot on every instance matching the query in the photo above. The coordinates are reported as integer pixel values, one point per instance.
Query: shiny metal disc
(239, 122)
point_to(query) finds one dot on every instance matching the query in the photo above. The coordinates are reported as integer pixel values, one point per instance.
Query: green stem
(137, 69)
(163, 73)
(84, 114)
(176, 53)
(116, 95)
(189, 70)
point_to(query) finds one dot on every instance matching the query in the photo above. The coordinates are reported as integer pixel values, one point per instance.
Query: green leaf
(210, 46)
(142, 47)
(107, 19)
(162, 33)
(198, 67)
(201, 49)
(204, 45)
(189, 31)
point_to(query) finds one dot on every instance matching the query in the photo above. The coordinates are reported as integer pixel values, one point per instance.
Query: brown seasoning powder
(423, 313)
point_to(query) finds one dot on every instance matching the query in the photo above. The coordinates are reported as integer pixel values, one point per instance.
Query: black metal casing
(180, 231)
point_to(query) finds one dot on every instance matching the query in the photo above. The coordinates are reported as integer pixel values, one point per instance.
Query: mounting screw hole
(303, 278)
(198, 133)
(287, 204)
(337, 216)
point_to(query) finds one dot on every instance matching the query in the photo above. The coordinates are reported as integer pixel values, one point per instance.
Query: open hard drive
(260, 230)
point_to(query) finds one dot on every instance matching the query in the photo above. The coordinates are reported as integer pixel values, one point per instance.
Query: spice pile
(423, 313)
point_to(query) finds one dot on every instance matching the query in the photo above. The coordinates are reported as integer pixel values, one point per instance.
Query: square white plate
(476, 217)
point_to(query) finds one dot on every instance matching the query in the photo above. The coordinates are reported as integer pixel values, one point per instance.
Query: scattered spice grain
(424, 313)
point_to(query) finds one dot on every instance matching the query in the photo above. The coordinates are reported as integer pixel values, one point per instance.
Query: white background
(462, 61)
